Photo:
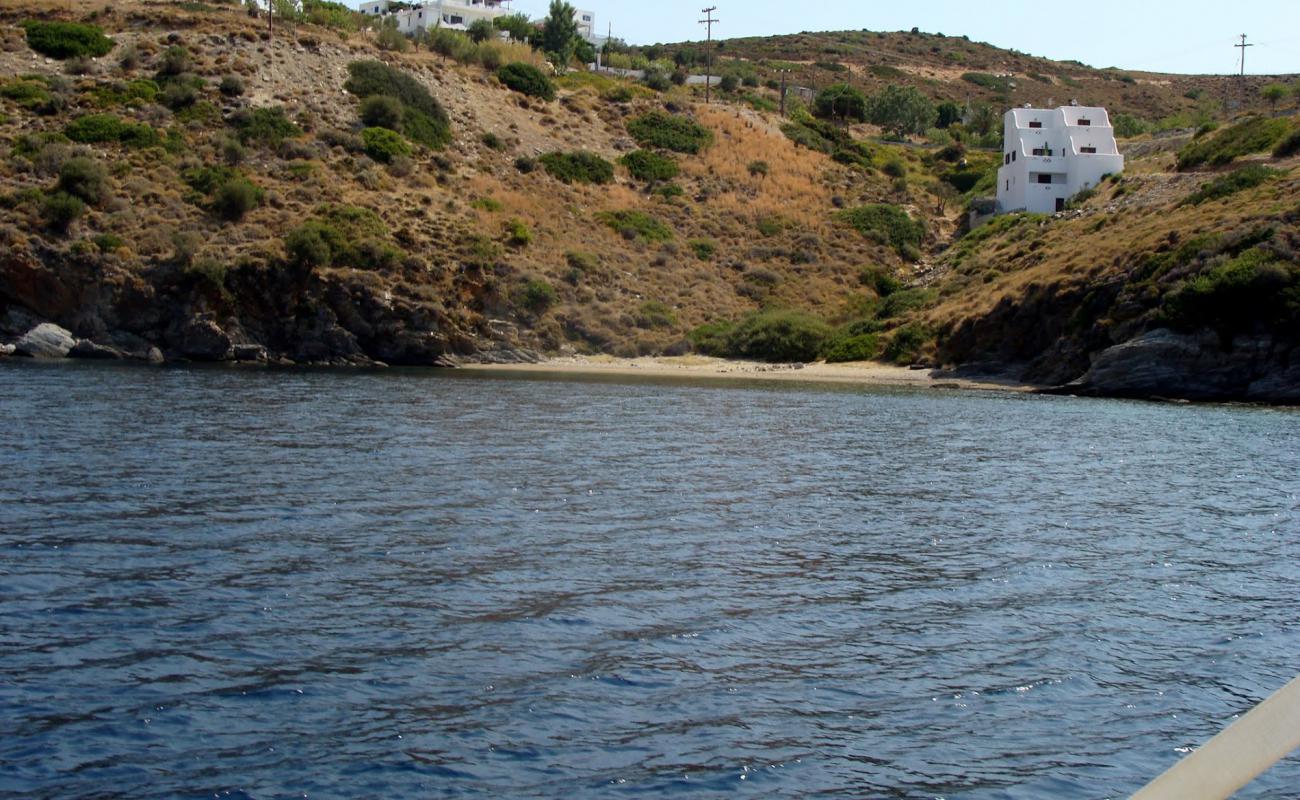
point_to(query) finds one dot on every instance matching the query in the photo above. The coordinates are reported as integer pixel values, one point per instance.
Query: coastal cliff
(206, 190)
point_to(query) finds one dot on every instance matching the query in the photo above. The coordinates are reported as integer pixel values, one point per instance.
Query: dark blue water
(328, 584)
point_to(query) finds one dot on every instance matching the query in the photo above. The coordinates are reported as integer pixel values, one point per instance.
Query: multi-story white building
(1052, 154)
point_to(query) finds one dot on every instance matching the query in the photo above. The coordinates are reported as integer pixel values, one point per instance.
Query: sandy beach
(860, 372)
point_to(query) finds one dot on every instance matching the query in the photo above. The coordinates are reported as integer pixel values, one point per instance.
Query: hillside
(207, 190)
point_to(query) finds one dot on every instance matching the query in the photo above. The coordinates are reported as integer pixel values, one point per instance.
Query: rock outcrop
(46, 340)
(1164, 364)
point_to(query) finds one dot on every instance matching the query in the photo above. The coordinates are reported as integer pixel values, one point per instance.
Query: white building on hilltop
(457, 15)
(1052, 154)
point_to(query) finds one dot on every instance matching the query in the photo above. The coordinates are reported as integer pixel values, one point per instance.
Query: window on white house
(1008, 185)
(1035, 124)
(1085, 122)
(1013, 155)
(1044, 177)
(586, 18)
(1042, 151)
(1087, 149)
(1006, 159)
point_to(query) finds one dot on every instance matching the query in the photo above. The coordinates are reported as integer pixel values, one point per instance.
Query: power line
(708, 51)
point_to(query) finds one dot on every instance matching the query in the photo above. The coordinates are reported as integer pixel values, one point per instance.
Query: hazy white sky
(1193, 36)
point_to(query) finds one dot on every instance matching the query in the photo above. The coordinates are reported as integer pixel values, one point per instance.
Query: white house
(1052, 154)
(457, 15)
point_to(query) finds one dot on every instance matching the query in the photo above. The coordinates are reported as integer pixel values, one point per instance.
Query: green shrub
(636, 225)
(880, 280)
(517, 233)
(231, 86)
(579, 167)
(704, 249)
(770, 226)
(66, 39)
(758, 169)
(206, 179)
(101, 128)
(899, 302)
(1252, 289)
(853, 347)
(140, 90)
(1256, 135)
(669, 132)
(235, 198)
(330, 15)
(341, 236)
(887, 224)
(1239, 180)
(175, 61)
(264, 126)
(423, 119)
(841, 101)
(535, 295)
(384, 145)
(29, 94)
(1127, 126)
(61, 209)
(646, 165)
(492, 141)
(655, 314)
(1288, 146)
(308, 246)
(711, 338)
(179, 94)
(986, 81)
(84, 178)
(778, 335)
(107, 242)
(382, 111)
(487, 204)
(527, 80)
(525, 164)
(906, 344)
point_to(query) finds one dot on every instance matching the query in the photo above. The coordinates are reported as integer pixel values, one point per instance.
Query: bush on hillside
(342, 236)
(535, 295)
(1252, 289)
(423, 118)
(887, 224)
(778, 335)
(1288, 146)
(264, 126)
(381, 111)
(384, 145)
(527, 80)
(1239, 180)
(646, 165)
(670, 132)
(84, 178)
(906, 344)
(61, 209)
(235, 198)
(63, 40)
(231, 86)
(852, 347)
(842, 102)
(1256, 135)
(102, 128)
(579, 167)
(636, 225)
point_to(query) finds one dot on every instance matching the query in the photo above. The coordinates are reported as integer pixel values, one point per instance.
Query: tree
(901, 110)
(982, 118)
(516, 26)
(1273, 93)
(949, 113)
(559, 30)
(480, 30)
(840, 101)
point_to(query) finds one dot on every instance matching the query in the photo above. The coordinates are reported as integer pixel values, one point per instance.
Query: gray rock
(248, 352)
(46, 340)
(154, 356)
(7, 350)
(89, 350)
(203, 340)
(1165, 364)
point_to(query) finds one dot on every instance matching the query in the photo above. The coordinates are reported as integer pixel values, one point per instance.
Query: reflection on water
(270, 584)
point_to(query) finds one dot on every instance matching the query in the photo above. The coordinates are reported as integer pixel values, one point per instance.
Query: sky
(1187, 36)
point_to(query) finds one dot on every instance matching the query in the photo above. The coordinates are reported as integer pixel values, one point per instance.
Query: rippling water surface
(278, 584)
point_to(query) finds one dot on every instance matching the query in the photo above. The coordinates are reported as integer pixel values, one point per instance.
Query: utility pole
(708, 51)
(784, 72)
(1243, 47)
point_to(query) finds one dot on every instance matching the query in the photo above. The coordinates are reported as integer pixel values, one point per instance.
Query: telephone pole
(784, 72)
(708, 51)
(1243, 47)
